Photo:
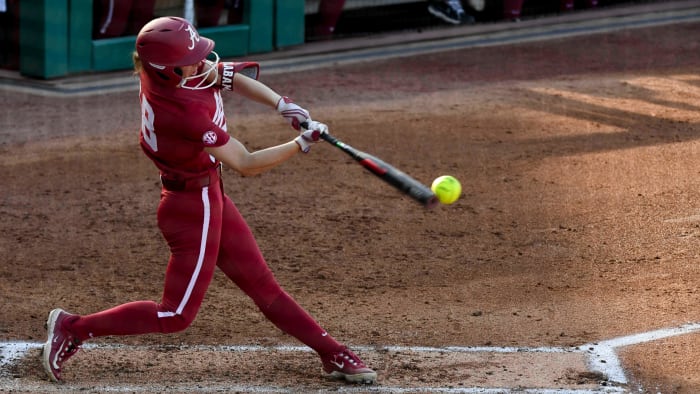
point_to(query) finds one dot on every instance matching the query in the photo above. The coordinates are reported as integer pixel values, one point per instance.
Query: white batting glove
(310, 134)
(294, 114)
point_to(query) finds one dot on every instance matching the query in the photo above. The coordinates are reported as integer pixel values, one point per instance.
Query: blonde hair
(138, 66)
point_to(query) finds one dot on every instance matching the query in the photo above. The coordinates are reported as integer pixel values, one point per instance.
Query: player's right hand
(310, 134)
(294, 114)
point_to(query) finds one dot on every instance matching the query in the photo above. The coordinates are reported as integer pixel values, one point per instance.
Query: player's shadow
(693, 81)
(636, 129)
(634, 91)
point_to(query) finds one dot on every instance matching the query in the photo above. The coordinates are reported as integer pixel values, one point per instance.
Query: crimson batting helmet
(165, 44)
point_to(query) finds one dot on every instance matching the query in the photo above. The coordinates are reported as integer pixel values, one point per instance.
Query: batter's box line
(601, 356)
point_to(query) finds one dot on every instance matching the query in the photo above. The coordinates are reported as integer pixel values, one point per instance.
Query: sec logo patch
(209, 138)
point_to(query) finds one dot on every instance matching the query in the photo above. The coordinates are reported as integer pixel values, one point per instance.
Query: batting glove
(294, 114)
(310, 134)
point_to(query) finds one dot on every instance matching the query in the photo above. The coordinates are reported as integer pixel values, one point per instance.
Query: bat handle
(329, 138)
(325, 136)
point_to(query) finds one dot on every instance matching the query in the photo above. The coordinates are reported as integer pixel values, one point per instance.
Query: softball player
(183, 131)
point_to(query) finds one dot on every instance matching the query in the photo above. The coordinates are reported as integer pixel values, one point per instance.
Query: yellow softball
(447, 189)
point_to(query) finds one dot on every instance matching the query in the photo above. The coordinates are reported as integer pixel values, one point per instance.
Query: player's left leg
(241, 260)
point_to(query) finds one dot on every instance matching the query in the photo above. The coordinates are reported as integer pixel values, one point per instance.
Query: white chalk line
(229, 388)
(601, 356)
(10, 352)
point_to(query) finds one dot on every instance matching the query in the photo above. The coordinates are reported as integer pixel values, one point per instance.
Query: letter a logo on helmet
(165, 44)
(194, 37)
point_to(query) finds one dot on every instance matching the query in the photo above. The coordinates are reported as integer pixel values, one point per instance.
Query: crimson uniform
(200, 223)
(177, 124)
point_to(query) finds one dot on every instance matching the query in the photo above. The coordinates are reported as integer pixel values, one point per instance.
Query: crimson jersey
(201, 225)
(177, 124)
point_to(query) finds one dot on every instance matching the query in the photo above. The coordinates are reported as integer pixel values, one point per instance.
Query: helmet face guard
(207, 75)
(165, 44)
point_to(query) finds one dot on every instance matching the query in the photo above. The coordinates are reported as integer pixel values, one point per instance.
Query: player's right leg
(60, 344)
(194, 244)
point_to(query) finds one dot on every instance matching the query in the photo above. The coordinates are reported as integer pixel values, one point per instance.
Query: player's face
(200, 75)
(188, 71)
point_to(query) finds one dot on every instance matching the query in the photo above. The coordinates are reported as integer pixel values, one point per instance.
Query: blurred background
(56, 38)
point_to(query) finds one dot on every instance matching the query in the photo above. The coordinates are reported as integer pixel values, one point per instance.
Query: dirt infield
(579, 222)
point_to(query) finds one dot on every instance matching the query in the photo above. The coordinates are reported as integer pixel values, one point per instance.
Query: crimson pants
(204, 230)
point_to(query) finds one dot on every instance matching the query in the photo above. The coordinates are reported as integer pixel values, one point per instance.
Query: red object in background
(208, 12)
(568, 5)
(328, 12)
(122, 17)
(513, 8)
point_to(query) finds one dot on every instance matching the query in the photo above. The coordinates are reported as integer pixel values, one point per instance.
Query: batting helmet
(165, 44)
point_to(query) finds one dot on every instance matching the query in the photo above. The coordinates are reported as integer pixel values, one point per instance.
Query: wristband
(303, 144)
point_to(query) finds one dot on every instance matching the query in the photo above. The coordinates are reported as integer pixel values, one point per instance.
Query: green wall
(43, 38)
(56, 36)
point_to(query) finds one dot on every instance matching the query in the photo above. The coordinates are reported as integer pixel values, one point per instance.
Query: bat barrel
(388, 173)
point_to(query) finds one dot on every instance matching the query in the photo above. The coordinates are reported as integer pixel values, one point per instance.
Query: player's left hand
(294, 114)
(310, 134)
